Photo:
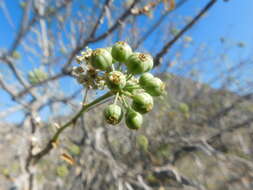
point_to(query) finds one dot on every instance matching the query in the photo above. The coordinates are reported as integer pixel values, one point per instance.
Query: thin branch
(106, 4)
(164, 50)
(157, 24)
(73, 120)
(25, 27)
(27, 89)
(102, 36)
(246, 123)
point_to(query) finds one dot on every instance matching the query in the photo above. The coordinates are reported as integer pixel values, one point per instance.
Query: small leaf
(37, 75)
(174, 31)
(74, 149)
(188, 39)
(16, 55)
(62, 171)
(23, 4)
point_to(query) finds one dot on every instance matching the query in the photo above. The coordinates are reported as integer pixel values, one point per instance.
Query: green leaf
(16, 55)
(184, 108)
(74, 149)
(37, 75)
(62, 171)
(142, 142)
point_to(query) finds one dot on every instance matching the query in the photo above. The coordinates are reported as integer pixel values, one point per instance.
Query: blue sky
(232, 20)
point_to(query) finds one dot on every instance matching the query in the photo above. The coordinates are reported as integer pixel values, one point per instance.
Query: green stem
(124, 102)
(85, 108)
(129, 76)
(127, 94)
(116, 98)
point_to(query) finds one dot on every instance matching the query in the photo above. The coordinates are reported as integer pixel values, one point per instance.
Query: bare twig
(166, 47)
(157, 24)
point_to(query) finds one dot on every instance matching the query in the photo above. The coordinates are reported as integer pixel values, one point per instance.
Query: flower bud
(138, 63)
(101, 59)
(113, 114)
(121, 51)
(116, 80)
(134, 119)
(142, 102)
(152, 85)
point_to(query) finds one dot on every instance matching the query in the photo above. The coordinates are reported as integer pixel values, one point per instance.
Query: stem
(85, 108)
(124, 102)
(85, 95)
(116, 98)
(127, 94)
(129, 76)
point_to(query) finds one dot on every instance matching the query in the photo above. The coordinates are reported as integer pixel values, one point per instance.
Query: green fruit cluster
(125, 74)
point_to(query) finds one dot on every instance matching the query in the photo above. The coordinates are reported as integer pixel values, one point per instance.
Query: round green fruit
(134, 119)
(116, 80)
(121, 51)
(142, 102)
(113, 114)
(138, 63)
(154, 86)
(145, 78)
(101, 59)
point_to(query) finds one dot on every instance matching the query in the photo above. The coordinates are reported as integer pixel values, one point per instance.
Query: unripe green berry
(101, 59)
(116, 80)
(145, 77)
(134, 119)
(121, 51)
(113, 114)
(152, 85)
(142, 102)
(138, 63)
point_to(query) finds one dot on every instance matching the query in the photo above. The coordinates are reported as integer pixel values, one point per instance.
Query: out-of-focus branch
(16, 72)
(223, 112)
(33, 124)
(157, 24)
(26, 25)
(11, 91)
(246, 123)
(116, 24)
(102, 36)
(164, 50)
(102, 13)
(27, 89)
(210, 140)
